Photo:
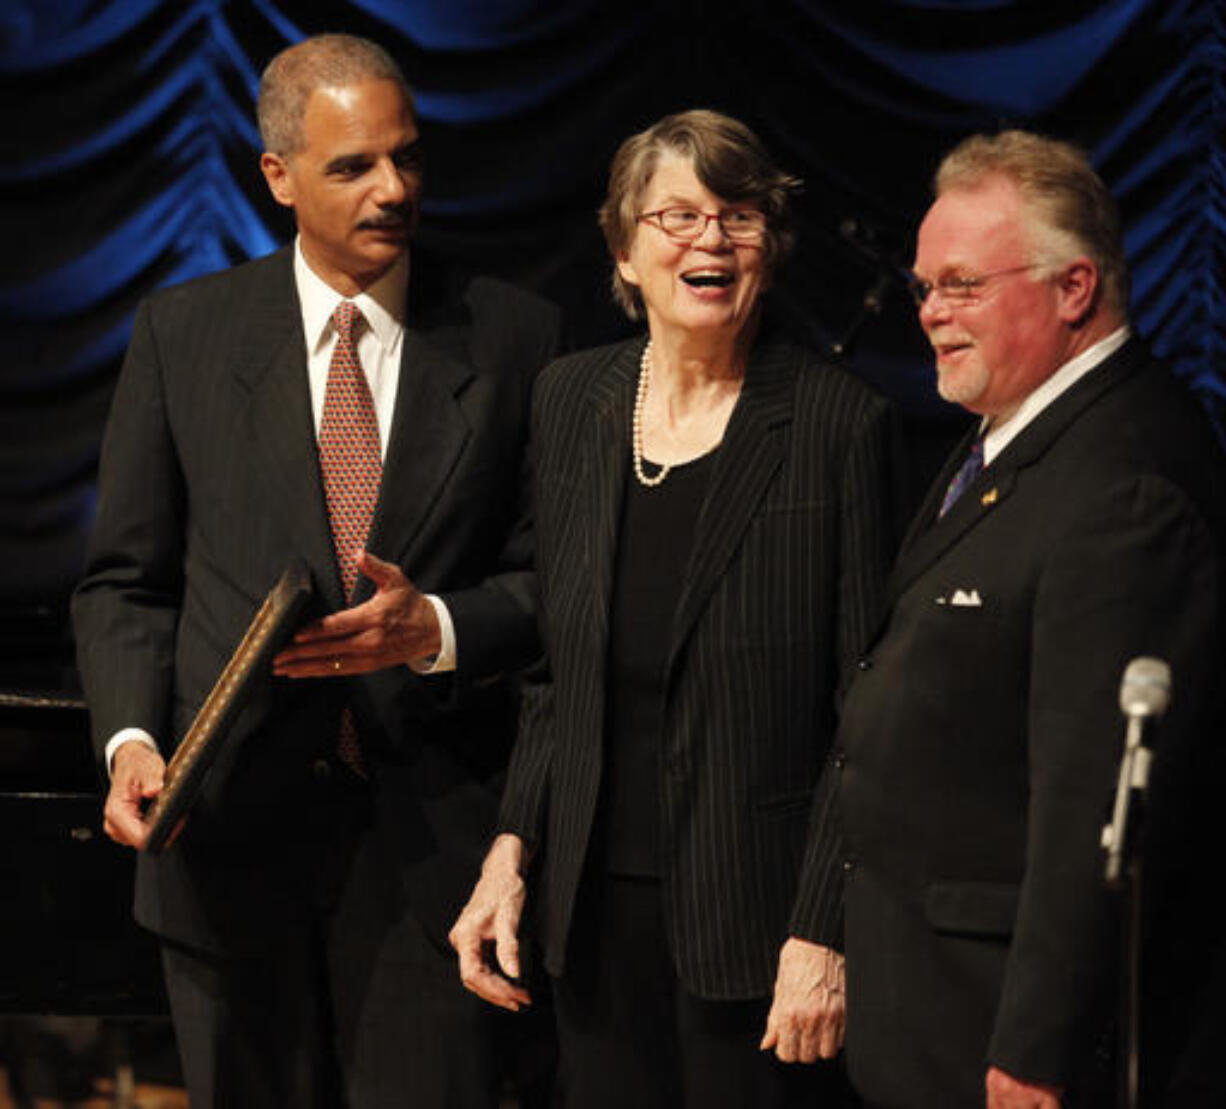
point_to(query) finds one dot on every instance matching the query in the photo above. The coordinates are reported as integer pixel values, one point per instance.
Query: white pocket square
(963, 598)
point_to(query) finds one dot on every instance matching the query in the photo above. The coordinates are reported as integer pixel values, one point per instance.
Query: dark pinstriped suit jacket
(784, 580)
(210, 484)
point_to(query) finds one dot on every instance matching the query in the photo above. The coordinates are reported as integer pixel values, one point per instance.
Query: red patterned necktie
(351, 463)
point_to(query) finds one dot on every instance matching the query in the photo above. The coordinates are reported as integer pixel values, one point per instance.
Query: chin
(381, 258)
(962, 386)
(717, 317)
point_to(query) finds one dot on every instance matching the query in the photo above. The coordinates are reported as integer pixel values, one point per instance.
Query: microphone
(1145, 692)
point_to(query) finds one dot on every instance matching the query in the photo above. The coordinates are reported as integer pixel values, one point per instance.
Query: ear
(626, 268)
(280, 181)
(1077, 288)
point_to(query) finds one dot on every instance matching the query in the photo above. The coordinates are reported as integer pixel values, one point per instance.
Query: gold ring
(336, 665)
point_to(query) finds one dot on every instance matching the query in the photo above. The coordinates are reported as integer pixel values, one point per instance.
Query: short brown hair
(1073, 213)
(728, 158)
(324, 61)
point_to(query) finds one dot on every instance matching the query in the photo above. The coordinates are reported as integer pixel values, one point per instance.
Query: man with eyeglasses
(1080, 525)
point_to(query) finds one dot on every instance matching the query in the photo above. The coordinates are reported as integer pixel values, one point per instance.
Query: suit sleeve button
(839, 759)
(849, 866)
(864, 663)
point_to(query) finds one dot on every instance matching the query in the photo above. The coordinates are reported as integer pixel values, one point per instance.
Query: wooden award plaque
(272, 625)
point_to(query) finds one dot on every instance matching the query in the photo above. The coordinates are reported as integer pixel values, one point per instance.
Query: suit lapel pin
(989, 498)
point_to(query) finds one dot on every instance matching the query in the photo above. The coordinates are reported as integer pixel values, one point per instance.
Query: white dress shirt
(1002, 434)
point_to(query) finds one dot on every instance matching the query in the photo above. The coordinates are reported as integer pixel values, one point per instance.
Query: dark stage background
(128, 160)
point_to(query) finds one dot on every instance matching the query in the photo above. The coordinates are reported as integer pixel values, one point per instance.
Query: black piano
(68, 944)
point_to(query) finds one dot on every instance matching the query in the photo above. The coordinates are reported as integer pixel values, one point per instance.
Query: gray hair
(1071, 211)
(728, 158)
(324, 61)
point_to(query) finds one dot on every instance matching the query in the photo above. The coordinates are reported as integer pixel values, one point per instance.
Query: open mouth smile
(708, 279)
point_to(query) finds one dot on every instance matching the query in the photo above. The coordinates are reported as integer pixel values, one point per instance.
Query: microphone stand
(863, 241)
(870, 306)
(1124, 874)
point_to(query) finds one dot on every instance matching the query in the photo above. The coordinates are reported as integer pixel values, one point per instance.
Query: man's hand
(806, 1018)
(492, 915)
(1006, 1092)
(396, 626)
(137, 773)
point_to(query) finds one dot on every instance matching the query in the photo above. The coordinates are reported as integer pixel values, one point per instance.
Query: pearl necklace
(636, 438)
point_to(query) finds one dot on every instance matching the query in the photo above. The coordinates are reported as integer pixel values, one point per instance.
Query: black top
(653, 551)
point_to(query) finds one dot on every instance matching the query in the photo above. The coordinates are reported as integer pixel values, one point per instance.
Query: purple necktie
(970, 469)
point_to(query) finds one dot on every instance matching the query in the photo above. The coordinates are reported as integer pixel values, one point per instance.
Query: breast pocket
(973, 909)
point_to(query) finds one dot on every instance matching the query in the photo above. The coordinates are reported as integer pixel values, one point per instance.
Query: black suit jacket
(982, 733)
(785, 577)
(210, 484)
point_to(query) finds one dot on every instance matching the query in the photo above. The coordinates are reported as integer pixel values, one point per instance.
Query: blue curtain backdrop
(129, 161)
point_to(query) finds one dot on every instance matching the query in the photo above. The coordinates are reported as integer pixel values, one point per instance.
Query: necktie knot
(346, 319)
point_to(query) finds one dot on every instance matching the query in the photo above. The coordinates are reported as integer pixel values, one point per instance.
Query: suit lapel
(927, 542)
(428, 434)
(271, 369)
(605, 464)
(929, 538)
(752, 450)
(926, 516)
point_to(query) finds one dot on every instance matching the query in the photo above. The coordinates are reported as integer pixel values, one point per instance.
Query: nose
(713, 235)
(933, 310)
(391, 186)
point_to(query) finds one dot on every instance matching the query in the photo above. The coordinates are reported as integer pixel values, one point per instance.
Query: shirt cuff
(123, 736)
(445, 661)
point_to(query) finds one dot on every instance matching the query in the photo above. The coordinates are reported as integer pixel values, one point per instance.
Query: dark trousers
(630, 1035)
(354, 1006)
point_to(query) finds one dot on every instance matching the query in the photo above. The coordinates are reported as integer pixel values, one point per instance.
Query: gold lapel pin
(989, 498)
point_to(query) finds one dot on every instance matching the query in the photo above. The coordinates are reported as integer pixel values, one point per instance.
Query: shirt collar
(997, 438)
(382, 304)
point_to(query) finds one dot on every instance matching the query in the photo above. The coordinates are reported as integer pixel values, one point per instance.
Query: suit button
(839, 759)
(849, 866)
(321, 771)
(864, 663)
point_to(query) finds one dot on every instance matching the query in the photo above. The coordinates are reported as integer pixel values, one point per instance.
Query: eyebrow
(344, 163)
(411, 149)
(672, 200)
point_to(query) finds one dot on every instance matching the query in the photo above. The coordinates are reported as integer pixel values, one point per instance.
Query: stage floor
(145, 1097)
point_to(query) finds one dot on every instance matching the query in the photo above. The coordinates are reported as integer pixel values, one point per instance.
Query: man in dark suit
(306, 406)
(1078, 527)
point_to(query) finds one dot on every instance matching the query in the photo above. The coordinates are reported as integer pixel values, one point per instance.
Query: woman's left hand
(808, 1013)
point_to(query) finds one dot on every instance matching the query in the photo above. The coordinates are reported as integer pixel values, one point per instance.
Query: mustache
(393, 219)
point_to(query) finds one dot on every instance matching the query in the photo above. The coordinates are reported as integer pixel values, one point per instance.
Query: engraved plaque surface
(272, 625)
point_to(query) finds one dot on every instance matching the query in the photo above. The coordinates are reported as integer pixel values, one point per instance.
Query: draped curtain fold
(128, 160)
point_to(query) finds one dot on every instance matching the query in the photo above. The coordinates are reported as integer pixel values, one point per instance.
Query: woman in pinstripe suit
(712, 539)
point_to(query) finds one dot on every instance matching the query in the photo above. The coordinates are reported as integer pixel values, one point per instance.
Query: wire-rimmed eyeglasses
(958, 289)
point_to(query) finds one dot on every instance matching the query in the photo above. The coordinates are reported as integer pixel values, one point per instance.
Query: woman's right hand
(490, 921)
